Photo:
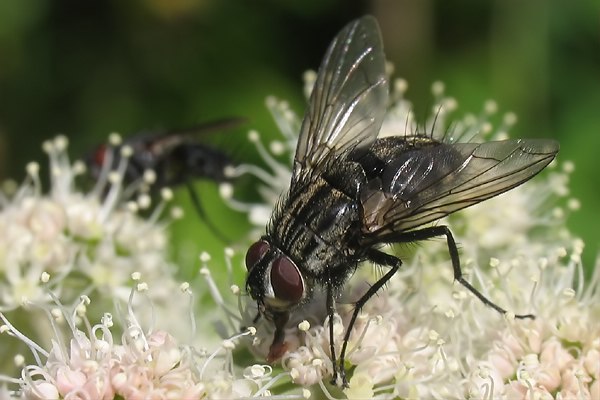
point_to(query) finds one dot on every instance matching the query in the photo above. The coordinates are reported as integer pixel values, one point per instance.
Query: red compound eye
(100, 155)
(255, 253)
(286, 280)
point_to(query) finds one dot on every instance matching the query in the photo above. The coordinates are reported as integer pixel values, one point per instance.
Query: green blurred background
(88, 68)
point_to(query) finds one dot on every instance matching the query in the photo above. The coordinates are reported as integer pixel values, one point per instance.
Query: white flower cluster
(424, 338)
(92, 363)
(50, 242)
(69, 242)
(65, 235)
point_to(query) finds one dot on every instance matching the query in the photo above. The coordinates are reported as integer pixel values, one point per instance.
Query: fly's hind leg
(442, 230)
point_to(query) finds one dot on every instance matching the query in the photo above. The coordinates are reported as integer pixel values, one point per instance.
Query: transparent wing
(348, 101)
(163, 142)
(209, 127)
(426, 184)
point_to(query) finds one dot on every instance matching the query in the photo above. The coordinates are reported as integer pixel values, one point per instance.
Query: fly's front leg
(378, 258)
(330, 315)
(442, 230)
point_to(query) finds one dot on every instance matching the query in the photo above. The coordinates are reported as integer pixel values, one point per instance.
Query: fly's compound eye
(255, 253)
(100, 156)
(286, 280)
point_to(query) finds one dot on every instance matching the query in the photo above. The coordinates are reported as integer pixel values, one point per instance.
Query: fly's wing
(208, 127)
(426, 184)
(348, 101)
(163, 143)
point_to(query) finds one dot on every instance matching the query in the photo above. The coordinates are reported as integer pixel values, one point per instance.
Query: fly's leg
(200, 210)
(442, 230)
(330, 315)
(394, 263)
(379, 258)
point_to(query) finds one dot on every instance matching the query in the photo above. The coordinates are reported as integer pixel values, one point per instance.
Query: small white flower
(273, 182)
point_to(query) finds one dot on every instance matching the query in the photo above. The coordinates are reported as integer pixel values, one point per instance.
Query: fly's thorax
(318, 227)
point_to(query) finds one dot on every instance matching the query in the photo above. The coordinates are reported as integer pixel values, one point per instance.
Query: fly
(352, 192)
(176, 156)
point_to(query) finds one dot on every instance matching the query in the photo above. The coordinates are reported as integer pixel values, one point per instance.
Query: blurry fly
(176, 157)
(352, 192)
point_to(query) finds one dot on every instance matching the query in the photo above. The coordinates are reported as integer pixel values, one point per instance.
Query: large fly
(351, 192)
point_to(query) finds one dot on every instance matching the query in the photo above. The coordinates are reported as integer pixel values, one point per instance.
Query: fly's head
(277, 285)
(273, 280)
(96, 159)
